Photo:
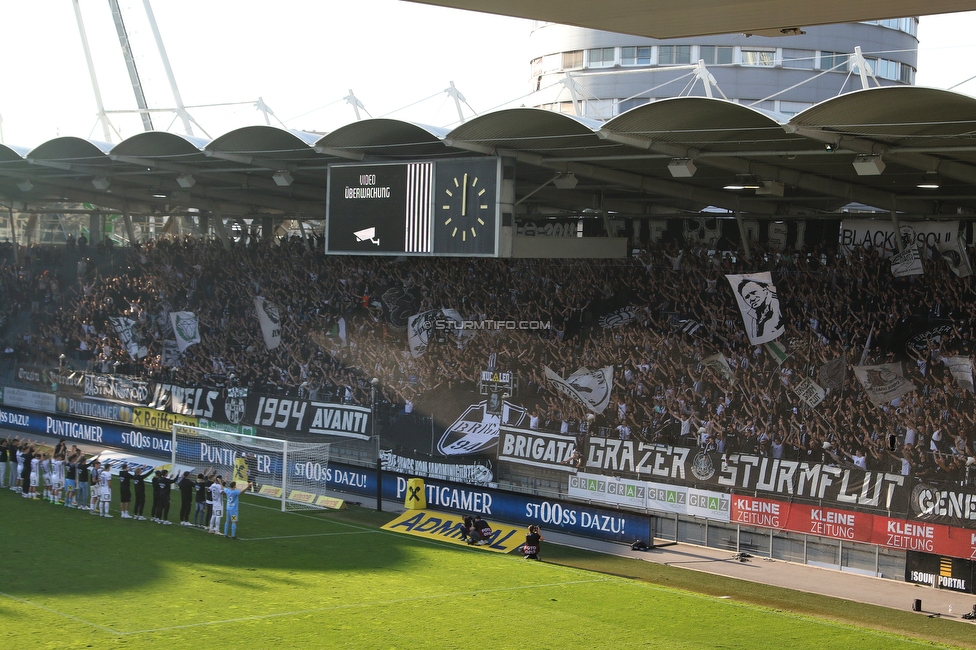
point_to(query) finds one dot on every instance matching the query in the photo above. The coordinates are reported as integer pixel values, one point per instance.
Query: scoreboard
(440, 207)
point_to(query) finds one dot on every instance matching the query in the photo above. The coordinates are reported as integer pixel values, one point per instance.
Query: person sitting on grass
(480, 532)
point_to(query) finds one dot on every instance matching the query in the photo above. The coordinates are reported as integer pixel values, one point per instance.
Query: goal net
(293, 473)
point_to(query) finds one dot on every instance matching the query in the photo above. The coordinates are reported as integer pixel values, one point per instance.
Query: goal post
(290, 472)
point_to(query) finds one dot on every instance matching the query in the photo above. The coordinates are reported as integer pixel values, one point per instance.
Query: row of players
(75, 481)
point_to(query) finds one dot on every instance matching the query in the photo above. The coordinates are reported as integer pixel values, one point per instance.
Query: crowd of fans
(343, 321)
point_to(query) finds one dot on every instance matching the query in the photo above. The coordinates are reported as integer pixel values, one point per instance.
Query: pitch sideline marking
(396, 601)
(63, 615)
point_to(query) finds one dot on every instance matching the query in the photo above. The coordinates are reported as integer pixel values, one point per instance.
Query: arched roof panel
(386, 137)
(10, 153)
(899, 115)
(266, 142)
(706, 123)
(71, 149)
(153, 144)
(532, 129)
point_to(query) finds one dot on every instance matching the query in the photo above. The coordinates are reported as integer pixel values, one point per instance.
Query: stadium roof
(914, 149)
(668, 19)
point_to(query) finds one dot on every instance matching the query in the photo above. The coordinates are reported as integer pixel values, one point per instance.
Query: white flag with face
(186, 328)
(270, 320)
(758, 302)
(419, 327)
(954, 253)
(590, 388)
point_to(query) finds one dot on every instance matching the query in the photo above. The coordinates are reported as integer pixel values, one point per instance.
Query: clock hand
(464, 197)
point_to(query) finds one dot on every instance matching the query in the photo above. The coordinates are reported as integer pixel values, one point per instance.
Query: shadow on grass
(52, 550)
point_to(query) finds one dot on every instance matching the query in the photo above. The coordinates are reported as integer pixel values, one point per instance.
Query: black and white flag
(270, 320)
(419, 327)
(758, 302)
(170, 356)
(687, 325)
(186, 328)
(954, 253)
(833, 373)
(906, 263)
(590, 388)
(620, 317)
(719, 364)
(883, 383)
(810, 392)
(961, 369)
(123, 327)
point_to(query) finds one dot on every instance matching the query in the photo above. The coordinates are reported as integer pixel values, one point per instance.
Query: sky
(302, 57)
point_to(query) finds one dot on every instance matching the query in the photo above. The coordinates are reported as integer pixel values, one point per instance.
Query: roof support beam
(766, 171)
(691, 193)
(920, 161)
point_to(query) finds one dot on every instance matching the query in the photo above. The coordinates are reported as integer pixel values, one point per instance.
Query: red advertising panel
(924, 537)
(831, 522)
(854, 526)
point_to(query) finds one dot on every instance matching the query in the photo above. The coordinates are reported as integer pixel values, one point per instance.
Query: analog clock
(465, 207)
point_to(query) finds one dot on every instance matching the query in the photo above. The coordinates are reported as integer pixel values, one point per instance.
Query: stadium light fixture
(682, 168)
(770, 188)
(565, 181)
(929, 182)
(101, 183)
(866, 165)
(186, 181)
(25, 185)
(282, 178)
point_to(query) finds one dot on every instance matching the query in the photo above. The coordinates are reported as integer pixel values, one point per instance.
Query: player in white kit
(217, 503)
(46, 475)
(104, 490)
(96, 472)
(35, 475)
(57, 478)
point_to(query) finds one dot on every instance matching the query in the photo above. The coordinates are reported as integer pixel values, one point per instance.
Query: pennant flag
(418, 331)
(123, 327)
(833, 373)
(810, 392)
(867, 346)
(954, 253)
(341, 329)
(270, 321)
(906, 263)
(961, 369)
(883, 383)
(778, 350)
(719, 364)
(590, 388)
(759, 305)
(186, 328)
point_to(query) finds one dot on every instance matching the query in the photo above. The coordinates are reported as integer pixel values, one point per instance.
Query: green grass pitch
(334, 580)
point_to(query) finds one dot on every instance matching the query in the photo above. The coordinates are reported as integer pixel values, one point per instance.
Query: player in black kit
(139, 482)
(125, 490)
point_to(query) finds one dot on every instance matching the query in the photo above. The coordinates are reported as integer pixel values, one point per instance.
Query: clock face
(466, 206)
